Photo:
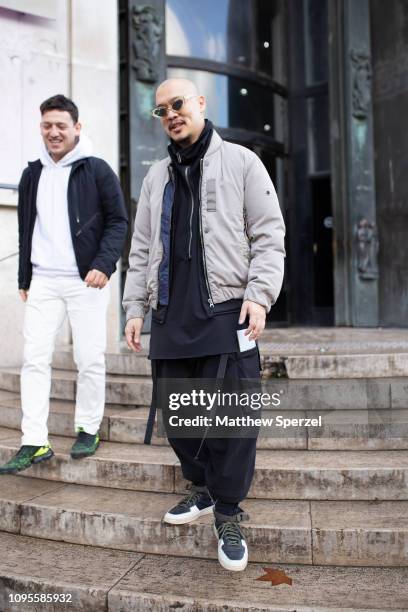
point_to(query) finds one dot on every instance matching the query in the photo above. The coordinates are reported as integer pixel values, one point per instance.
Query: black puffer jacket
(97, 216)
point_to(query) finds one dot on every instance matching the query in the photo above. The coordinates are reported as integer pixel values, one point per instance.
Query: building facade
(317, 88)
(48, 47)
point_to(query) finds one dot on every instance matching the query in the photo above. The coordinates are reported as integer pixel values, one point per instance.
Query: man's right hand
(23, 294)
(133, 330)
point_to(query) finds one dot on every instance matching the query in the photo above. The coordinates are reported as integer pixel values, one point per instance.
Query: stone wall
(74, 53)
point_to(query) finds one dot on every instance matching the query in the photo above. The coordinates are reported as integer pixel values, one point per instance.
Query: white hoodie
(52, 252)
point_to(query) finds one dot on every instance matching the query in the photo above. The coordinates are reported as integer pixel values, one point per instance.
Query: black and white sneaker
(197, 503)
(232, 547)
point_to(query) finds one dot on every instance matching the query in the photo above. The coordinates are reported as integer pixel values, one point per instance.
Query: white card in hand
(244, 343)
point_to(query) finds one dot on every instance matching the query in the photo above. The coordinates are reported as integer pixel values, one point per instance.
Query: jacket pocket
(87, 224)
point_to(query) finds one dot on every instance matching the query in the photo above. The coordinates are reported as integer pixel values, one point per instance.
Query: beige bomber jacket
(242, 231)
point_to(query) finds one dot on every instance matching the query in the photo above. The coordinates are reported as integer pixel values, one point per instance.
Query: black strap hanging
(153, 406)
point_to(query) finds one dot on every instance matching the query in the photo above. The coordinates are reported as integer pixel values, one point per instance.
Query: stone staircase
(328, 507)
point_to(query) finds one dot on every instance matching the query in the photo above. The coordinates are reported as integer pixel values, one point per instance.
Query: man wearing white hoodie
(72, 227)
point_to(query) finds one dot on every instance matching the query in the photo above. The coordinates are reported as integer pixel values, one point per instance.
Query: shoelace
(230, 533)
(190, 499)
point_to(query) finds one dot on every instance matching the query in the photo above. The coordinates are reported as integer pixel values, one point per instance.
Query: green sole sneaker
(43, 457)
(84, 454)
(85, 445)
(25, 458)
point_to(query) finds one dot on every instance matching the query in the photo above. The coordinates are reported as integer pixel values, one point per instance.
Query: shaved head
(184, 125)
(184, 87)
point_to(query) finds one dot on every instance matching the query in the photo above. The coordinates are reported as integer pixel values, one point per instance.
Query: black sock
(226, 508)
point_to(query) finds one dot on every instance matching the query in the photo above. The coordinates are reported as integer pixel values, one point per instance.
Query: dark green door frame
(352, 159)
(142, 68)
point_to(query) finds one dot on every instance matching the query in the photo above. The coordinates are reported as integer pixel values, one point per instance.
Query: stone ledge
(279, 474)
(102, 580)
(341, 429)
(296, 394)
(323, 533)
(39, 566)
(128, 520)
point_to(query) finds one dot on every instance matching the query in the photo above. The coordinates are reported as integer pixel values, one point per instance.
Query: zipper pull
(211, 303)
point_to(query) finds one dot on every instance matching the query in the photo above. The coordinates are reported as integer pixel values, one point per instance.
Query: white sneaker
(232, 547)
(195, 504)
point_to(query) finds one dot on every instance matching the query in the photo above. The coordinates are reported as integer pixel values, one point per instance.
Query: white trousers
(49, 301)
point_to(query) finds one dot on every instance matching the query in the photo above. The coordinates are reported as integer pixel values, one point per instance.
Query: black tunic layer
(189, 326)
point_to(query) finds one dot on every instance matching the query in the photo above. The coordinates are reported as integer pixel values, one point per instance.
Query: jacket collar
(215, 145)
(35, 165)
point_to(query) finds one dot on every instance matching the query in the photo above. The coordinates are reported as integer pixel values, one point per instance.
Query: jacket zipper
(171, 228)
(210, 299)
(171, 175)
(191, 213)
(76, 203)
(86, 224)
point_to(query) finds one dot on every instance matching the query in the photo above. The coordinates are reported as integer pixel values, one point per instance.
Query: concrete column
(33, 66)
(94, 86)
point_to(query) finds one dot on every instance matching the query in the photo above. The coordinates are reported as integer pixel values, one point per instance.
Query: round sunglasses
(161, 111)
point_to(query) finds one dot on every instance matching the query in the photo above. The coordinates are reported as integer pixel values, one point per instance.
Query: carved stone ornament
(148, 34)
(361, 83)
(367, 250)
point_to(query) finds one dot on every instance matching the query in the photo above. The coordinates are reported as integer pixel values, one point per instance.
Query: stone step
(357, 394)
(83, 574)
(340, 365)
(119, 361)
(335, 352)
(359, 430)
(126, 424)
(119, 424)
(342, 429)
(279, 474)
(276, 362)
(105, 580)
(119, 389)
(349, 533)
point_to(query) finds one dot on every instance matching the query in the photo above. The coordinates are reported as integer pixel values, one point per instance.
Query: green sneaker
(85, 445)
(26, 456)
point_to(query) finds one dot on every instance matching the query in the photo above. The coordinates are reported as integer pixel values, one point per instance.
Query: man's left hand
(257, 315)
(96, 279)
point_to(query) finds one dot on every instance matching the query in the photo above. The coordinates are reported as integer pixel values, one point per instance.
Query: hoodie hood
(82, 149)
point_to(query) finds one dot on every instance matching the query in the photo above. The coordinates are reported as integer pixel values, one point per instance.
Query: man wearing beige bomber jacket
(207, 256)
